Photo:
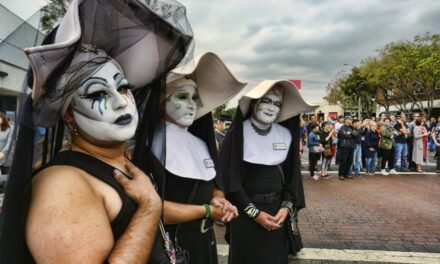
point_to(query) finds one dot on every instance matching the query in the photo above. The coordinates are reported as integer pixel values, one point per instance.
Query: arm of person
(343, 133)
(66, 222)
(5, 150)
(434, 137)
(229, 211)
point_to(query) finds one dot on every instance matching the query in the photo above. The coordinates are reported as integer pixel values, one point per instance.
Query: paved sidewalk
(396, 212)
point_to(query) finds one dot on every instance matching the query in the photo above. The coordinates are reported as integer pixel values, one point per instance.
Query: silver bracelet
(252, 211)
(288, 205)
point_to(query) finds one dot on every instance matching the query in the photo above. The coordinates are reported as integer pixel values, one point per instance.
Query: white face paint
(181, 107)
(104, 108)
(268, 107)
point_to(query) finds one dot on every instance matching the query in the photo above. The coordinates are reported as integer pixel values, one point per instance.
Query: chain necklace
(261, 132)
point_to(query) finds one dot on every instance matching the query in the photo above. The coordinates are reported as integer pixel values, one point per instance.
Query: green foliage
(52, 12)
(403, 72)
(222, 110)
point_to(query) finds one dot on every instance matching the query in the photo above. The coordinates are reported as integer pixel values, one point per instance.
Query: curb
(346, 256)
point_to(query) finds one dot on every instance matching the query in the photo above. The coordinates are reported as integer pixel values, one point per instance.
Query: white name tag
(209, 163)
(279, 146)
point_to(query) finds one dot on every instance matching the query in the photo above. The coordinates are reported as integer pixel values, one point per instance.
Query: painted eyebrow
(118, 77)
(92, 80)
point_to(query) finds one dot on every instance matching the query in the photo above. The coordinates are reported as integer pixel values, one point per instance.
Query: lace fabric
(144, 43)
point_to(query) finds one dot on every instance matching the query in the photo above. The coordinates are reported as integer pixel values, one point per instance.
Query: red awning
(297, 83)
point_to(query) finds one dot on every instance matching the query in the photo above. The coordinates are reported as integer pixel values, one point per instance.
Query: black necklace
(261, 132)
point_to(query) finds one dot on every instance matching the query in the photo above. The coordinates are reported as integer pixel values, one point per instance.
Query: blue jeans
(400, 155)
(370, 161)
(357, 160)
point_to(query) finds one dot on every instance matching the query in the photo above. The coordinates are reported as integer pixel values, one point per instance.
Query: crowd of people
(392, 144)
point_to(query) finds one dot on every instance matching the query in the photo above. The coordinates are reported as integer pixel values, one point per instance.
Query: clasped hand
(223, 210)
(270, 222)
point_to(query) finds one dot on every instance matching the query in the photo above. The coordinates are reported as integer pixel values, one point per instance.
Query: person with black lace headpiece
(260, 167)
(182, 155)
(88, 203)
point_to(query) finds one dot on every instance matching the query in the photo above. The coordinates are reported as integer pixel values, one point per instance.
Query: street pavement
(371, 214)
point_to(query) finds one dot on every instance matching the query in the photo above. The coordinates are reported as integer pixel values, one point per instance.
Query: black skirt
(200, 245)
(250, 242)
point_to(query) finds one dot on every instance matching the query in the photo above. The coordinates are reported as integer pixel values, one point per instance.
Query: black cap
(224, 117)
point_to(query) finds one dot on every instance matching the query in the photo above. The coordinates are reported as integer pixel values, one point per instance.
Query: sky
(310, 40)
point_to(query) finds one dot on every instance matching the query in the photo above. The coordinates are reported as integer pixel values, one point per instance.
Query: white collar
(271, 149)
(187, 156)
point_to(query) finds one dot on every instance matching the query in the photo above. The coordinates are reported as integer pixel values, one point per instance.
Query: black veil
(116, 26)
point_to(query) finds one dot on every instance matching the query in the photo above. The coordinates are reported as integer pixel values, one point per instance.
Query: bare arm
(134, 246)
(66, 222)
(176, 213)
(221, 209)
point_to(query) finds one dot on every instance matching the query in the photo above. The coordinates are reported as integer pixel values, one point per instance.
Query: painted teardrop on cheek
(100, 101)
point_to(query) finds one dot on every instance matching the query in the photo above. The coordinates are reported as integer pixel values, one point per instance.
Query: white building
(15, 35)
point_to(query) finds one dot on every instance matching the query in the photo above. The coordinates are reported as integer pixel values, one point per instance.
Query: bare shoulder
(66, 220)
(56, 177)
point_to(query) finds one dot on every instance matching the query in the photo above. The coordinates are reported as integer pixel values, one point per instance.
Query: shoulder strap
(89, 164)
(190, 199)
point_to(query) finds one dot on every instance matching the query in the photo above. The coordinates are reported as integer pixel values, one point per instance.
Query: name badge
(209, 163)
(279, 146)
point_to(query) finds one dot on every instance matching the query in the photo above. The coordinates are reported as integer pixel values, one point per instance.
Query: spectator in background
(371, 145)
(339, 123)
(220, 129)
(326, 141)
(5, 141)
(417, 155)
(425, 140)
(312, 121)
(436, 138)
(393, 120)
(431, 128)
(314, 141)
(346, 148)
(365, 127)
(357, 153)
(386, 145)
(401, 147)
(411, 126)
(303, 132)
(381, 120)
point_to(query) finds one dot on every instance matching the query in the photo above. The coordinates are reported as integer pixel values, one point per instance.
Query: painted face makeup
(104, 108)
(268, 107)
(181, 107)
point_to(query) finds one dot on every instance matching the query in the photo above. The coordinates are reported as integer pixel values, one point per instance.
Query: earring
(72, 132)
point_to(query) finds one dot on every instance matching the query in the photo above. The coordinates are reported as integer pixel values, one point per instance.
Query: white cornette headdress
(216, 85)
(293, 103)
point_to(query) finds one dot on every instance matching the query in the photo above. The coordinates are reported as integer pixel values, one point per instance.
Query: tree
(222, 110)
(405, 74)
(52, 13)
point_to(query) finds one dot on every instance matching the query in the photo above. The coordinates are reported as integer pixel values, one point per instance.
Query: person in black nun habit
(79, 207)
(184, 155)
(260, 167)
